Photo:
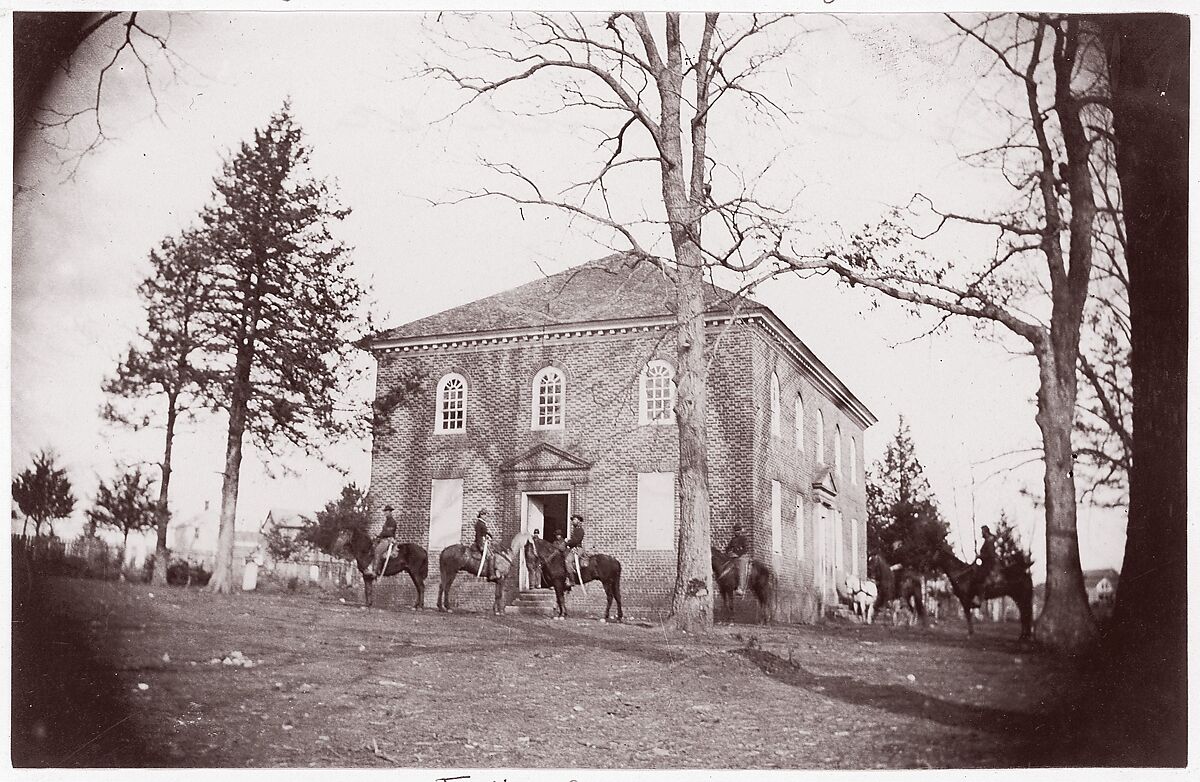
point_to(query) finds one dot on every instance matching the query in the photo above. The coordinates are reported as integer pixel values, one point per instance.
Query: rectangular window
(445, 514)
(854, 546)
(799, 529)
(656, 511)
(776, 517)
(839, 543)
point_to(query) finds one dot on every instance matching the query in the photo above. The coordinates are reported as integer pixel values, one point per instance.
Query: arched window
(775, 415)
(451, 404)
(657, 388)
(820, 437)
(853, 461)
(799, 424)
(549, 391)
(837, 450)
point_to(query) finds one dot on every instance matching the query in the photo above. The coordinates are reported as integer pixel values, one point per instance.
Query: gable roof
(284, 518)
(615, 292)
(616, 287)
(1093, 577)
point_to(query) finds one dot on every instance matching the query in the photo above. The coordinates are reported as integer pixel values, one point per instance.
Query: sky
(875, 115)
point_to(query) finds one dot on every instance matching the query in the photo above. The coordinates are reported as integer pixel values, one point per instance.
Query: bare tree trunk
(692, 601)
(159, 577)
(222, 577)
(124, 553)
(1066, 622)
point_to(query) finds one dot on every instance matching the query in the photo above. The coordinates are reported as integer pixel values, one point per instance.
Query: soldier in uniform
(739, 546)
(482, 534)
(574, 547)
(984, 563)
(388, 533)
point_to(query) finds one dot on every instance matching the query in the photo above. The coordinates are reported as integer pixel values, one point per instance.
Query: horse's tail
(518, 542)
(423, 568)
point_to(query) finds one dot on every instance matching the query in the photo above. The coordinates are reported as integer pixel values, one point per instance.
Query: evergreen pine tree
(166, 366)
(903, 520)
(282, 310)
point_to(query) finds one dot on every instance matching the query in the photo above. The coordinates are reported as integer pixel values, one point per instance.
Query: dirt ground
(132, 675)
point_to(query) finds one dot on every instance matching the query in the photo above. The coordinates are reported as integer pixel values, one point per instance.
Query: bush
(182, 573)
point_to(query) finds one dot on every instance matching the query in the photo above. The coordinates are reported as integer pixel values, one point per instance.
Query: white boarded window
(799, 529)
(657, 394)
(776, 517)
(452, 403)
(839, 543)
(799, 424)
(656, 511)
(854, 546)
(820, 437)
(775, 414)
(445, 514)
(549, 391)
(839, 468)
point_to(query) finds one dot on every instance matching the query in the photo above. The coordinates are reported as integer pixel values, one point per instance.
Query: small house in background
(1101, 588)
(285, 522)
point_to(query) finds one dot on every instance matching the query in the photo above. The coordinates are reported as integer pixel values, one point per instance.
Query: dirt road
(117, 674)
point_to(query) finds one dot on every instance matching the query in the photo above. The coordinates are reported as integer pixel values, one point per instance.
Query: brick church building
(556, 398)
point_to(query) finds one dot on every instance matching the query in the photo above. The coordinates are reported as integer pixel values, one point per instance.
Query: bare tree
(655, 86)
(1057, 124)
(87, 50)
(167, 362)
(1148, 58)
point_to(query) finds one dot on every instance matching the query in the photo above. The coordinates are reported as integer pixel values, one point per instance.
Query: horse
(1011, 580)
(863, 593)
(898, 587)
(462, 557)
(557, 571)
(370, 557)
(762, 583)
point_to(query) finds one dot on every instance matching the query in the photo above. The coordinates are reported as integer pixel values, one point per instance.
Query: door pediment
(544, 458)
(825, 487)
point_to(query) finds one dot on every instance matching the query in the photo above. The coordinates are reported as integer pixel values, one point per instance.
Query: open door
(544, 514)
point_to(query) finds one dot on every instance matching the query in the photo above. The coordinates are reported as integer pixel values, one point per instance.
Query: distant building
(558, 397)
(1101, 587)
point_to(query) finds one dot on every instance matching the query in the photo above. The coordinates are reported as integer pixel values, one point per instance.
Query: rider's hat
(737, 527)
(388, 509)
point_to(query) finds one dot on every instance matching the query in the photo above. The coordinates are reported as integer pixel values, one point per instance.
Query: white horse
(863, 593)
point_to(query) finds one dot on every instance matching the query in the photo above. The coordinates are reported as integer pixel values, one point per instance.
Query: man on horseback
(574, 552)
(739, 547)
(482, 544)
(983, 565)
(388, 533)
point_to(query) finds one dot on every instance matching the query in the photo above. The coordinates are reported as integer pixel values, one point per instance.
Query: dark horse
(370, 557)
(898, 586)
(762, 583)
(459, 557)
(1006, 581)
(552, 561)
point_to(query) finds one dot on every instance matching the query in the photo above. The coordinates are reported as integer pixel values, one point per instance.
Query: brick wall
(601, 427)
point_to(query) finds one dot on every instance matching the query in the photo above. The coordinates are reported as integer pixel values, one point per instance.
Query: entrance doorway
(545, 513)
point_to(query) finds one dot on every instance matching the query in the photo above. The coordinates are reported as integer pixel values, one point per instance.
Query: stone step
(538, 602)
